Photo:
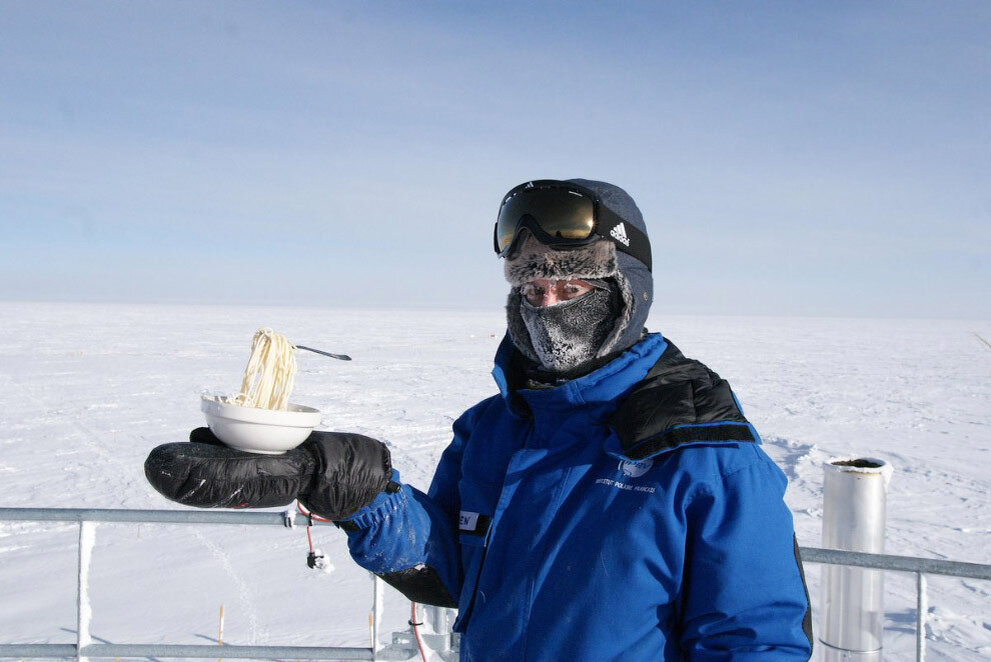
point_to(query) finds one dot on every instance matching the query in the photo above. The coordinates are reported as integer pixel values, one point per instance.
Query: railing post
(84, 613)
(378, 588)
(921, 614)
(854, 495)
(437, 632)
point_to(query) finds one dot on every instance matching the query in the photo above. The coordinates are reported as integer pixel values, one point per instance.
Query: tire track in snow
(245, 597)
(91, 440)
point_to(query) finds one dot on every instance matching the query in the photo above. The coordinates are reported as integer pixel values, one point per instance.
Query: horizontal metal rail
(898, 563)
(185, 651)
(192, 516)
(920, 566)
(809, 554)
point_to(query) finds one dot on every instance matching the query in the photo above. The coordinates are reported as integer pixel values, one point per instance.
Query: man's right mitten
(350, 471)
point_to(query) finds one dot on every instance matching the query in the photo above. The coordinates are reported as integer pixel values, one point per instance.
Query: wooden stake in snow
(220, 631)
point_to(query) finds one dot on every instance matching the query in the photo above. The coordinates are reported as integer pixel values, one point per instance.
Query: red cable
(416, 633)
(310, 515)
(412, 621)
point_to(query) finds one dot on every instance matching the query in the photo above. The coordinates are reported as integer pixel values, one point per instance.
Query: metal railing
(87, 518)
(913, 564)
(84, 647)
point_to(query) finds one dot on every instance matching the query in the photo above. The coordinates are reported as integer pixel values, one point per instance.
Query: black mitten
(333, 474)
(351, 470)
(207, 474)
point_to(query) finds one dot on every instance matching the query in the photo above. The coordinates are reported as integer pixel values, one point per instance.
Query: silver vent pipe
(852, 615)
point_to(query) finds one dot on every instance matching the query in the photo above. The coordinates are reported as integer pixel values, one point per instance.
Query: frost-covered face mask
(567, 334)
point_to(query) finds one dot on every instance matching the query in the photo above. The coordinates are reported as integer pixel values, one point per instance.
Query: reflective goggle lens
(559, 212)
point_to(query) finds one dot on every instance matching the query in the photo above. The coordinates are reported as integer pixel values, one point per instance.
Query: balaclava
(569, 338)
(568, 334)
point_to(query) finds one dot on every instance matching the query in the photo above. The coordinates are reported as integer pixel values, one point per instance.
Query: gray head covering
(630, 278)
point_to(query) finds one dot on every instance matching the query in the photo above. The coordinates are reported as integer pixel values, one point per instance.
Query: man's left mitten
(351, 470)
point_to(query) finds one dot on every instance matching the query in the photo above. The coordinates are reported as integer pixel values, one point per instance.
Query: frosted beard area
(86, 391)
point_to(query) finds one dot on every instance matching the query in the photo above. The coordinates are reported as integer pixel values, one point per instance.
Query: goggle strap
(637, 244)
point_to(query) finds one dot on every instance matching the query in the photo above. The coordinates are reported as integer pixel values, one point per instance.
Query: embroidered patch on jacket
(627, 470)
(635, 468)
(473, 524)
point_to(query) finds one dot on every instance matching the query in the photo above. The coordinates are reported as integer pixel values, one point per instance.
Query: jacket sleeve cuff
(386, 500)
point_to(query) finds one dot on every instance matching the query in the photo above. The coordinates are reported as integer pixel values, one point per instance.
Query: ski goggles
(563, 215)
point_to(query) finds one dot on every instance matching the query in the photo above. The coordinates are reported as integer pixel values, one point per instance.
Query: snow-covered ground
(87, 390)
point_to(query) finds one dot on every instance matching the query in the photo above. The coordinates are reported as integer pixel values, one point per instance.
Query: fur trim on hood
(535, 261)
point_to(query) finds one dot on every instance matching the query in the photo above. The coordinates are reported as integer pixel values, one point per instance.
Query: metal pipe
(921, 613)
(378, 598)
(229, 652)
(87, 538)
(156, 516)
(438, 625)
(854, 500)
(64, 651)
(25, 651)
(911, 564)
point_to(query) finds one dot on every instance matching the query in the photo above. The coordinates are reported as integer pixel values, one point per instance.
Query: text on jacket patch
(467, 521)
(631, 469)
(625, 486)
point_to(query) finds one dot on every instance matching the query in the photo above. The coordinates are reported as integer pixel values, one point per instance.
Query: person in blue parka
(611, 502)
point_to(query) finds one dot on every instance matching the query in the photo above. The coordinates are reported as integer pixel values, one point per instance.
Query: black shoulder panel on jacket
(420, 584)
(679, 401)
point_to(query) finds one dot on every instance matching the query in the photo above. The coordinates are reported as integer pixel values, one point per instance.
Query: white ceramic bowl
(255, 430)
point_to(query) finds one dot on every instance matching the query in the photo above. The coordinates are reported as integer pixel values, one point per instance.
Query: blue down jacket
(629, 514)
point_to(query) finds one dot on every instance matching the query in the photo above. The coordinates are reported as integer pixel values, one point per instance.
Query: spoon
(342, 357)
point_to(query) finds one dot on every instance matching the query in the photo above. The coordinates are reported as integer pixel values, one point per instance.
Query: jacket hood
(635, 278)
(599, 260)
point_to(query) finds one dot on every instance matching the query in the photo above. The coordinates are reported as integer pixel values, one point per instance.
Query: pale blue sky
(790, 158)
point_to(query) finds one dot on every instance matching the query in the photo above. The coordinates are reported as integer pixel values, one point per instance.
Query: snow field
(87, 390)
